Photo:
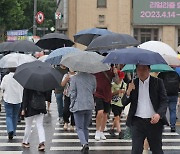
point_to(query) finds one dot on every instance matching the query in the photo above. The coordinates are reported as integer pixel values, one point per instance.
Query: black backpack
(171, 82)
(38, 100)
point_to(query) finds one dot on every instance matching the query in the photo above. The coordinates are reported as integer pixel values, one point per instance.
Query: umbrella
(55, 56)
(134, 56)
(171, 60)
(4, 46)
(154, 68)
(38, 76)
(43, 58)
(177, 69)
(89, 62)
(53, 41)
(24, 46)
(158, 46)
(15, 59)
(112, 41)
(86, 36)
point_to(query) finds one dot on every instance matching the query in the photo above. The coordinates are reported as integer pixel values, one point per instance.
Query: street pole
(34, 18)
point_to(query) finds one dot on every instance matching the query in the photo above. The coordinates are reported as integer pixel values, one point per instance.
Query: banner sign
(156, 12)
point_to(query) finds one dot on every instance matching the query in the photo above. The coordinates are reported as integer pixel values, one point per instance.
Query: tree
(18, 14)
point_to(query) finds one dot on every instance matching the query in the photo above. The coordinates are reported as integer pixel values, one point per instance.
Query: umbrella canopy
(171, 60)
(158, 46)
(89, 62)
(53, 41)
(4, 46)
(23, 46)
(86, 36)
(112, 41)
(55, 56)
(177, 69)
(43, 58)
(134, 56)
(15, 59)
(154, 68)
(37, 76)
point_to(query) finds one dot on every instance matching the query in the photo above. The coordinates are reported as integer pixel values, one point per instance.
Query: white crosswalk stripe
(68, 140)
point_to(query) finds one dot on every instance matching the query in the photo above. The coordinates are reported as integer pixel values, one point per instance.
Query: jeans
(39, 124)
(82, 121)
(60, 104)
(12, 112)
(172, 102)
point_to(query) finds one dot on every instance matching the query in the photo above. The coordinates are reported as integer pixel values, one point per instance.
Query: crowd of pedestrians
(80, 93)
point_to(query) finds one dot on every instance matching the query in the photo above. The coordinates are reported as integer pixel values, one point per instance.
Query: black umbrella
(23, 46)
(38, 76)
(4, 46)
(53, 41)
(86, 36)
(112, 41)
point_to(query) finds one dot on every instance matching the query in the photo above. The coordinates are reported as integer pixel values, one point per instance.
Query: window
(101, 19)
(146, 34)
(101, 3)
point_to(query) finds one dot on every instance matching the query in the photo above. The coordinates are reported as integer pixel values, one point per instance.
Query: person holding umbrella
(147, 113)
(82, 87)
(13, 93)
(31, 112)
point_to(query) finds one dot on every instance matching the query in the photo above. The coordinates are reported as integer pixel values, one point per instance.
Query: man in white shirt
(147, 110)
(12, 95)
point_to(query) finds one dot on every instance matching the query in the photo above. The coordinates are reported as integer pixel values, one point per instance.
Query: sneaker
(72, 128)
(65, 126)
(10, 135)
(26, 145)
(97, 136)
(85, 149)
(112, 133)
(102, 136)
(61, 121)
(173, 129)
(121, 135)
(41, 147)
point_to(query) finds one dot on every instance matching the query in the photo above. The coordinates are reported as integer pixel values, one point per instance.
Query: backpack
(38, 100)
(171, 82)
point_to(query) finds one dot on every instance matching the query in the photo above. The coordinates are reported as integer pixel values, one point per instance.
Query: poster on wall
(156, 12)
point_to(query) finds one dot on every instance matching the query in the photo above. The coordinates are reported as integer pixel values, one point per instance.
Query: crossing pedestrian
(12, 95)
(147, 113)
(82, 87)
(102, 98)
(66, 111)
(31, 112)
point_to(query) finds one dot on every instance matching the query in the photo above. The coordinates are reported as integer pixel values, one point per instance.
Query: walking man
(147, 113)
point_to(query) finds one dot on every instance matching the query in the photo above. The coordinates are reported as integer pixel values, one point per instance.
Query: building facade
(144, 19)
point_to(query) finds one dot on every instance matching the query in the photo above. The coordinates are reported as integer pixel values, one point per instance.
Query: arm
(162, 99)
(65, 80)
(3, 83)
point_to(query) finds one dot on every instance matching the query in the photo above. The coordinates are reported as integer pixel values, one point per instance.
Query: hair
(145, 65)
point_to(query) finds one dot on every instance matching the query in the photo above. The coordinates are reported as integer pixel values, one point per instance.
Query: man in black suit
(147, 110)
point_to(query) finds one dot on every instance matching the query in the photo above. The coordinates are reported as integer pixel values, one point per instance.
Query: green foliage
(18, 14)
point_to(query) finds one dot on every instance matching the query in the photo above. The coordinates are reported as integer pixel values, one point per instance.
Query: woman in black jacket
(31, 111)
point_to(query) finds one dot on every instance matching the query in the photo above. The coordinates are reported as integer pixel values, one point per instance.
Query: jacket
(157, 95)
(82, 87)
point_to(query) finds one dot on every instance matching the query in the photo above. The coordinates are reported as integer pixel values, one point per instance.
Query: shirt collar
(145, 81)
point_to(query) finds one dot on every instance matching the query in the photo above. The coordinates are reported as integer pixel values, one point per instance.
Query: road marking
(9, 144)
(106, 148)
(11, 152)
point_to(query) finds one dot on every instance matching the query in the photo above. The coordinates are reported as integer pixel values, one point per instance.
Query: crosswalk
(67, 141)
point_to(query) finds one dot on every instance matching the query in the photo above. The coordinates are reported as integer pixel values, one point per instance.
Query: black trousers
(142, 128)
(66, 112)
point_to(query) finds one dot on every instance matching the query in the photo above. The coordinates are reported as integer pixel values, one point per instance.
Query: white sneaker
(102, 136)
(97, 136)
